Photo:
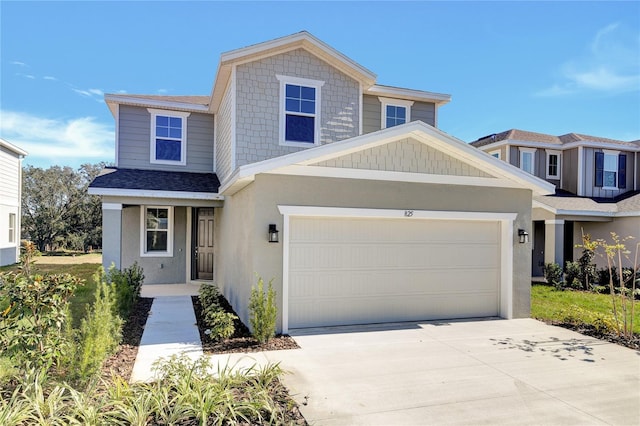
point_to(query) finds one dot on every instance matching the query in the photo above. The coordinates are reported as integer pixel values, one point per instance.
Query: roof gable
(407, 155)
(305, 162)
(301, 40)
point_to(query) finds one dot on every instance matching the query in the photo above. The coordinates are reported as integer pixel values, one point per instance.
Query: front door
(537, 254)
(204, 244)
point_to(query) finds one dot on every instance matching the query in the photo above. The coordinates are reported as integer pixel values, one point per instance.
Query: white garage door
(358, 270)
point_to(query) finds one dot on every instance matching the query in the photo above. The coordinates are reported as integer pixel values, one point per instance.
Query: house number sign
(408, 213)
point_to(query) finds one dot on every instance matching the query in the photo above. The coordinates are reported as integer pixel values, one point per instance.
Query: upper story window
(610, 170)
(527, 159)
(168, 137)
(553, 164)
(12, 227)
(395, 112)
(157, 231)
(495, 154)
(299, 111)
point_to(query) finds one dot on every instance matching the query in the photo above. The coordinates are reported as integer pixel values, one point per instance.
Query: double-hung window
(527, 159)
(157, 231)
(553, 164)
(395, 112)
(12, 227)
(168, 137)
(610, 170)
(299, 111)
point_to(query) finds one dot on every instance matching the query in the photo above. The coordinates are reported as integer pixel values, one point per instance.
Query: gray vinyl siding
(589, 175)
(258, 104)
(372, 113)
(224, 137)
(514, 156)
(134, 141)
(570, 170)
(8, 256)
(424, 111)
(9, 176)
(371, 110)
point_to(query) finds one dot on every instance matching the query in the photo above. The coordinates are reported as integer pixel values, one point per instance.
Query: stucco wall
(157, 270)
(258, 104)
(623, 226)
(269, 191)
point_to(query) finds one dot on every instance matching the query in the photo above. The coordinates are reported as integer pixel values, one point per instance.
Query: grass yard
(548, 304)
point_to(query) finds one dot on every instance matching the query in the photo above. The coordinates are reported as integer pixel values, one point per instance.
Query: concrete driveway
(467, 372)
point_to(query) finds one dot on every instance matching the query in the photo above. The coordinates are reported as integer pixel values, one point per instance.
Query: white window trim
(143, 233)
(531, 151)
(551, 152)
(183, 139)
(12, 229)
(393, 102)
(316, 84)
(497, 151)
(604, 170)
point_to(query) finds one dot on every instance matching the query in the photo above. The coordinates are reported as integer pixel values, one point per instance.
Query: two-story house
(597, 189)
(299, 167)
(10, 201)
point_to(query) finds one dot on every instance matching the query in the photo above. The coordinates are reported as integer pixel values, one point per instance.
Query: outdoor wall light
(273, 233)
(524, 236)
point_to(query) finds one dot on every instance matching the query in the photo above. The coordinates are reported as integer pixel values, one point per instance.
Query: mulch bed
(241, 341)
(589, 330)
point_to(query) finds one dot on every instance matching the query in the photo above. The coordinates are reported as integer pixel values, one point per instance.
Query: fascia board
(119, 99)
(144, 193)
(416, 95)
(11, 147)
(558, 147)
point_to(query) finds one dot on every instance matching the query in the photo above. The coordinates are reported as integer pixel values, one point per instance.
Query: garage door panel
(353, 271)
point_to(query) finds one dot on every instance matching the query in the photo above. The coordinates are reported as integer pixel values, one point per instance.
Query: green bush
(572, 277)
(553, 274)
(100, 331)
(263, 311)
(221, 324)
(127, 285)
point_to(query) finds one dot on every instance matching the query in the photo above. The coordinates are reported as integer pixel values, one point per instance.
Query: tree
(57, 209)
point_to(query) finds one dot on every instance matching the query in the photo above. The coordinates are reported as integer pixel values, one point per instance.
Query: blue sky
(550, 67)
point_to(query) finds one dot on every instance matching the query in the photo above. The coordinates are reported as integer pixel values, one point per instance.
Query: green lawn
(547, 303)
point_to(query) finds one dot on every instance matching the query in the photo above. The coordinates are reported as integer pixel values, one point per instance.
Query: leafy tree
(57, 209)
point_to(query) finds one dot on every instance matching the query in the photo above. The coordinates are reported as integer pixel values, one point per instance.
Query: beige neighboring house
(10, 201)
(300, 167)
(597, 189)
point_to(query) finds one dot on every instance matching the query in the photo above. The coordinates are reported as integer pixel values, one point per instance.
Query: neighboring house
(598, 189)
(10, 201)
(299, 167)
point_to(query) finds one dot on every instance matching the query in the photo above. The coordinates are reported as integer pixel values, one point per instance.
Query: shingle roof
(522, 135)
(628, 202)
(156, 180)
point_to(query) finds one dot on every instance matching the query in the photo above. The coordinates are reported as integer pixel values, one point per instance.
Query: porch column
(554, 242)
(111, 234)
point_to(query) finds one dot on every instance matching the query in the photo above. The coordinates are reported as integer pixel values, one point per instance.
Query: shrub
(263, 311)
(126, 285)
(221, 324)
(553, 274)
(572, 277)
(100, 331)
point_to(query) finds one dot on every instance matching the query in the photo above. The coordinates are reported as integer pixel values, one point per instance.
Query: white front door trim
(506, 241)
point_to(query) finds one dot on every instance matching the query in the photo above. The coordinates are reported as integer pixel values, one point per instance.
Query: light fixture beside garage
(524, 236)
(273, 233)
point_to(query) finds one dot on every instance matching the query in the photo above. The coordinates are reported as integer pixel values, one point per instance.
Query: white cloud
(29, 76)
(58, 141)
(19, 63)
(95, 94)
(163, 91)
(610, 65)
(48, 77)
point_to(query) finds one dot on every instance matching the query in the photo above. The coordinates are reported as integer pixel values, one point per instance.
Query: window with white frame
(157, 231)
(168, 137)
(12, 227)
(395, 112)
(299, 111)
(553, 164)
(495, 154)
(527, 158)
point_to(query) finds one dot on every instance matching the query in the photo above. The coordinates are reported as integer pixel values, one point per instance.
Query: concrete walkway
(170, 329)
